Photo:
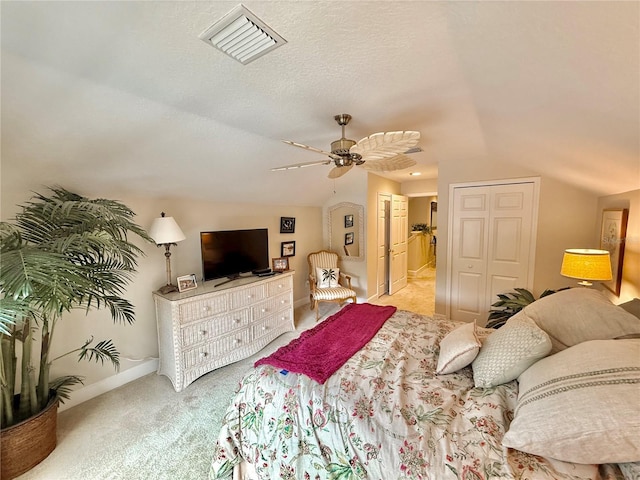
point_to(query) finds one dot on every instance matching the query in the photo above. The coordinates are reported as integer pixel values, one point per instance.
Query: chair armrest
(347, 278)
(312, 283)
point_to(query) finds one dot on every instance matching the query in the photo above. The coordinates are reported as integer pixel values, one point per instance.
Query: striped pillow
(581, 404)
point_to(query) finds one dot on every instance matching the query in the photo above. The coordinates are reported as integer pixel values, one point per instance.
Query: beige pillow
(581, 405)
(579, 314)
(509, 351)
(458, 349)
(327, 277)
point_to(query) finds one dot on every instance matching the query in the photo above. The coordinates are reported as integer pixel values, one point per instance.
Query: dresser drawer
(203, 308)
(271, 306)
(212, 327)
(218, 346)
(247, 296)
(279, 285)
(275, 322)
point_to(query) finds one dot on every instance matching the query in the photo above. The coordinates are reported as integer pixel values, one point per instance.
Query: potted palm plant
(62, 252)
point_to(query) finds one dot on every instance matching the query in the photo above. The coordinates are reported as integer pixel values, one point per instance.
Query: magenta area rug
(320, 351)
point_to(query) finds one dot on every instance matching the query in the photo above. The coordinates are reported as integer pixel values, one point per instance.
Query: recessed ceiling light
(242, 35)
(415, 174)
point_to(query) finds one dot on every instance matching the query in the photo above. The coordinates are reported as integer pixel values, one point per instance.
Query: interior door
(384, 208)
(398, 242)
(492, 245)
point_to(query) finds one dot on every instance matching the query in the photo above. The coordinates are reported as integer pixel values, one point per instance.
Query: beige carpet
(145, 430)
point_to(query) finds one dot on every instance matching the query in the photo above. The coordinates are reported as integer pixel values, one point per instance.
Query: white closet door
(399, 239)
(383, 250)
(492, 244)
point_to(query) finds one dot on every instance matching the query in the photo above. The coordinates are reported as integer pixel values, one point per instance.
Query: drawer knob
(203, 332)
(237, 340)
(280, 286)
(264, 327)
(283, 301)
(206, 308)
(249, 296)
(237, 320)
(264, 310)
(203, 354)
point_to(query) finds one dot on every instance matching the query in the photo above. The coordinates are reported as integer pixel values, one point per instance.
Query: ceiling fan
(380, 152)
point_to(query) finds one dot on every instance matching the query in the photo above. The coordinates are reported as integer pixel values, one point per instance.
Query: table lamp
(166, 232)
(587, 265)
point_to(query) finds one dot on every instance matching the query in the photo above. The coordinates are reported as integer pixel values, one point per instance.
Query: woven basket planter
(26, 444)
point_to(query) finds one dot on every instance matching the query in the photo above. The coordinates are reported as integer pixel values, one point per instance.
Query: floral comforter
(383, 415)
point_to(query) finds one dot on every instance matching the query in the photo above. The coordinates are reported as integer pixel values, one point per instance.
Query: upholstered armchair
(326, 282)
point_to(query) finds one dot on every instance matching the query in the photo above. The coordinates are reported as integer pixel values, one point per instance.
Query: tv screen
(228, 253)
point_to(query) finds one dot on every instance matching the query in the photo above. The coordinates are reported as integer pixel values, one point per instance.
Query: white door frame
(534, 228)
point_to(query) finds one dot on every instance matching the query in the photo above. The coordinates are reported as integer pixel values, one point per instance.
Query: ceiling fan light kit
(380, 152)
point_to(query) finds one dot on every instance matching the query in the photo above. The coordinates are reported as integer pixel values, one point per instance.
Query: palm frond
(62, 386)
(104, 350)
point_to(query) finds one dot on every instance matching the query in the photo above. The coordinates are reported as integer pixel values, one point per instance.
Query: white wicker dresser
(209, 327)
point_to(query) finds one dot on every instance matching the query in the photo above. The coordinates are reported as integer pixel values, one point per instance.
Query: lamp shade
(165, 230)
(586, 264)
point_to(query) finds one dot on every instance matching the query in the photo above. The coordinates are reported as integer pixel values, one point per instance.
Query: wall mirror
(346, 230)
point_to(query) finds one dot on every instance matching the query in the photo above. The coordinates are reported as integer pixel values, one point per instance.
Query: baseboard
(103, 386)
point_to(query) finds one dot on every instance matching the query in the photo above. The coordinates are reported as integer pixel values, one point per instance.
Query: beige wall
(630, 287)
(138, 342)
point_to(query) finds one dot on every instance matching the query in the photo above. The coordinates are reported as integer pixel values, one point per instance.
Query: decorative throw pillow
(581, 405)
(327, 277)
(579, 314)
(509, 351)
(458, 349)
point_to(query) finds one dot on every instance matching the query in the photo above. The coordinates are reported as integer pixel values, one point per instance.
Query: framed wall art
(187, 282)
(287, 249)
(348, 238)
(612, 237)
(348, 221)
(287, 225)
(280, 264)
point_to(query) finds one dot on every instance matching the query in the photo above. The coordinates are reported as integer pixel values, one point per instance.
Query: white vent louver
(242, 35)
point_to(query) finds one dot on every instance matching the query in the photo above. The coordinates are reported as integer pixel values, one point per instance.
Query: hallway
(418, 296)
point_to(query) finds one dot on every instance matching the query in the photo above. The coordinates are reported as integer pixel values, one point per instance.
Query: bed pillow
(327, 277)
(580, 314)
(458, 349)
(581, 405)
(509, 351)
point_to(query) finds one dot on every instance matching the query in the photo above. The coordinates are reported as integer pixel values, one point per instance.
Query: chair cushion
(327, 277)
(333, 293)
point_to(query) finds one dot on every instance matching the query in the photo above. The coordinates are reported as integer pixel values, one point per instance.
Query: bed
(388, 414)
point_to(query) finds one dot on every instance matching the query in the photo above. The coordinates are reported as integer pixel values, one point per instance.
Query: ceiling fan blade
(337, 172)
(385, 144)
(389, 164)
(302, 165)
(313, 149)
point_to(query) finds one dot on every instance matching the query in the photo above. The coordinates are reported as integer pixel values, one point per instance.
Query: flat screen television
(228, 253)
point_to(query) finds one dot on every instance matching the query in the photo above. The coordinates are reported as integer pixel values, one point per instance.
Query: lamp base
(168, 289)
(584, 283)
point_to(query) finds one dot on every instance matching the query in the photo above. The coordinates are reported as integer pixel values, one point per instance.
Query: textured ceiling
(125, 94)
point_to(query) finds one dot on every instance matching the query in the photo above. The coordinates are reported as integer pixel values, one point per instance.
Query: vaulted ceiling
(124, 95)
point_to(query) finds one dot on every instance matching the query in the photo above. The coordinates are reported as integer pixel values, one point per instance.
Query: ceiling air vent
(242, 35)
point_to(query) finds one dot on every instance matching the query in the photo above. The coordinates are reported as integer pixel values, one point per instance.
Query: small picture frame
(187, 282)
(287, 249)
(280, 264)
(287, 225)
(348, 221)
(348, 238)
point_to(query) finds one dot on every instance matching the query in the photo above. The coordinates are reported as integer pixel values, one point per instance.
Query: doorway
(418, 292)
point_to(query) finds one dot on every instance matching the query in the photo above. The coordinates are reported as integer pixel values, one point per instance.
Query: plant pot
(26, 444)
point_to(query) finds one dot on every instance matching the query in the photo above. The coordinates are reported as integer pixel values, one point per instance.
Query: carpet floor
(145, 430)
